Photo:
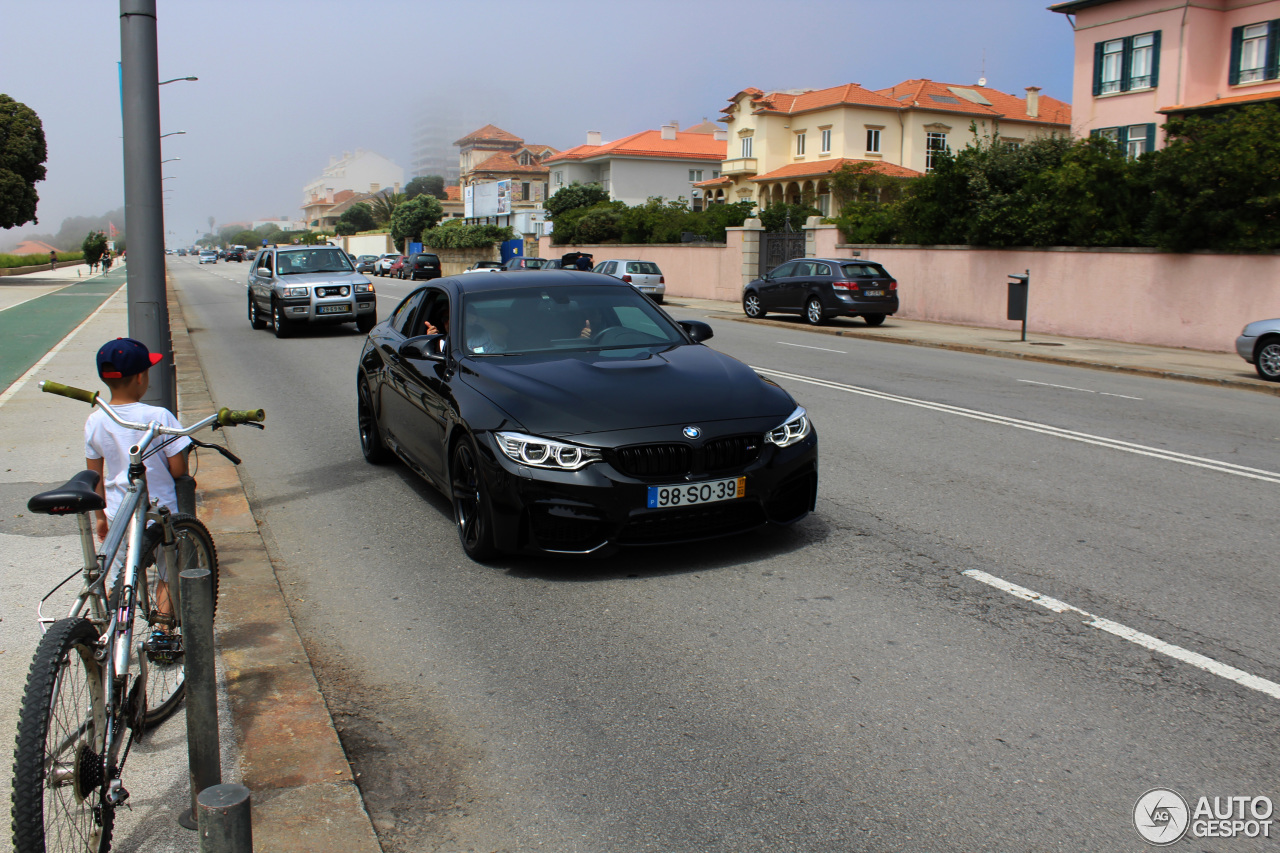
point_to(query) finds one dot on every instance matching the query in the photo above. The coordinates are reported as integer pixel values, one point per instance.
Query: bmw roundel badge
(692, 432)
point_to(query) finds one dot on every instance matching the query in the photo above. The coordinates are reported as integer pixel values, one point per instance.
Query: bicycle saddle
(76, 495)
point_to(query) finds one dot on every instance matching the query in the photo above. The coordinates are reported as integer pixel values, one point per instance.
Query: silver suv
(291, 285)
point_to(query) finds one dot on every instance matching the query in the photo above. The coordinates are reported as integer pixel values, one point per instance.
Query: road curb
(303, 790)
(1044, 358)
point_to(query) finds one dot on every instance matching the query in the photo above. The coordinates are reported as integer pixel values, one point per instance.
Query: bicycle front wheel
(57, 765)
(157, 623)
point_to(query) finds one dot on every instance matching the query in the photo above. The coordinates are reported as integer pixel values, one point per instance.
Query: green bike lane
(30, 329)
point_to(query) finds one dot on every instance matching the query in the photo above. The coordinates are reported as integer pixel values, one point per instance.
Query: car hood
(592, 392)
(322, 278)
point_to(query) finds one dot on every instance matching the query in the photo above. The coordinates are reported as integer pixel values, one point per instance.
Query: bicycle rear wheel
(57, 765)
(157, 625)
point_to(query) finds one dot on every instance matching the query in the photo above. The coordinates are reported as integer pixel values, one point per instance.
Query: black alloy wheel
(371, 443)
(751, 306)
(1267, 359)
(366, 323)
(813, 311)
(470, 507)
(874, 319)
(278, 321)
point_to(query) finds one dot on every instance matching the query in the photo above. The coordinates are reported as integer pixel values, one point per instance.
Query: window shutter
(1097, 69)
(1273, 50)
(1151, 137)
(1237, 45)
(1155, 59)
(1122, 138)
(1126, 64)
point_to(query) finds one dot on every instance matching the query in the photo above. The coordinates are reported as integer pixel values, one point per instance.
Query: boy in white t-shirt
(122, 366)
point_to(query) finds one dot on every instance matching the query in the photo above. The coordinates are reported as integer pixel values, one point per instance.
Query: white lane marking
(802, 346)
(1208, 664)
(1045, 429)
(22, 380)
(1072, 388)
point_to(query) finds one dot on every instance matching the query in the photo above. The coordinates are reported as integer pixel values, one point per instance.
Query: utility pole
(143, 202)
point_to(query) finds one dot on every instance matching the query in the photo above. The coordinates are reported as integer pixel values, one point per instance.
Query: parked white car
(383, 265)
(644, 276)
(1259, 344)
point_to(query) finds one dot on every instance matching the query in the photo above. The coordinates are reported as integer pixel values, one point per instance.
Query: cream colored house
(358, 174)
(783, 146)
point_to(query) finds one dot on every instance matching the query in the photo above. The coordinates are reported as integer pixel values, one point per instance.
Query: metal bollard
(225, 822)
(203, 750)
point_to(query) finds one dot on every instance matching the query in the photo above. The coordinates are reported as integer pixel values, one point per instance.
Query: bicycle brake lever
(218, 447)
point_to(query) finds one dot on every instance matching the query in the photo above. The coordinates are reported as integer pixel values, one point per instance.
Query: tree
(94, 246)
(433, 184)
(574, 196)
(356, 218)
(411, 218)
(22, 156)
(776, 216)
(383, 205)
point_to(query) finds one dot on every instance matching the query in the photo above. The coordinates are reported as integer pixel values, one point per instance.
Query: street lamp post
(144, 201)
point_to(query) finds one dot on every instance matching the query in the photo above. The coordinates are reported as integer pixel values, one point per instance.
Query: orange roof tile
(1223, 102)
(849, 93)
(504, 162)
(489, 133)
(826, 167)
(947, 97)
(721, 181)
(453, 193)
(649, 143)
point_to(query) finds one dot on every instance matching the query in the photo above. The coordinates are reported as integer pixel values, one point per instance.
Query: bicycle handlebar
(80, 394)
(224, 417)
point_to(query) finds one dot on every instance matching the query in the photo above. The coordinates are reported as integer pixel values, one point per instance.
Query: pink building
(1139, 61)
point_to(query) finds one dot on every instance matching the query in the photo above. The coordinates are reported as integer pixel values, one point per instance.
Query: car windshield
(565, 318)
(643, 268)
(855, 270)
(533, 263)
(312, 261)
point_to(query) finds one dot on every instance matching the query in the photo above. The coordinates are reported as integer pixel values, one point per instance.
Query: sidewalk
(1212, 368)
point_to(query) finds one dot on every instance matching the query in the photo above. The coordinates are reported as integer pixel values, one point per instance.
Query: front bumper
(343, 310)
(1245, 345)
(599, 508)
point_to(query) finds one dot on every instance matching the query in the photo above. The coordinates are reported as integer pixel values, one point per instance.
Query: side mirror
(697, 330)
(423, 348)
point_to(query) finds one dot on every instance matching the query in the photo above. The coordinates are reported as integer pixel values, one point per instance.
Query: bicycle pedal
(162, 647)
(116, 793)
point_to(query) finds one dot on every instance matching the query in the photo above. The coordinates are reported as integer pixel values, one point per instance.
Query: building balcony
(740, 166)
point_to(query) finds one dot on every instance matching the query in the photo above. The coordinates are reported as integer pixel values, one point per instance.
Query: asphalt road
(865, 680)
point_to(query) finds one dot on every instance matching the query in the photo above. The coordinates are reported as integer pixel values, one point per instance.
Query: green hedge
(12, 261)
(450, 236)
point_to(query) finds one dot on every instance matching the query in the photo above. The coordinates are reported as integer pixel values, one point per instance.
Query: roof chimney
(668, 131)
(593, 137)
(674, 124)
(721, 135)
(1033, 101)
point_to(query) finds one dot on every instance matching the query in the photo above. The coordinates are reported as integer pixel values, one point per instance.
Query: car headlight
(295, 291)
(545, 453)
(795, 428)
(364, 288)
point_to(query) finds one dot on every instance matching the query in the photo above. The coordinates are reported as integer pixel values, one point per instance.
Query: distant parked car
(208, 256)
(384, 262)
(421, 265)
(1259, 344)
(644, 276)
(396, 270)
(821, 288)
(484, 266)
(523, 263)
(364, 263)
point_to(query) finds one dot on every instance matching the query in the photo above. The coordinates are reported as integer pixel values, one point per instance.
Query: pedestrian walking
(106, 261)
(53, 259)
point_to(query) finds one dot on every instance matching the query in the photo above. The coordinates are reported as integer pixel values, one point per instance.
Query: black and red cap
(125, 357)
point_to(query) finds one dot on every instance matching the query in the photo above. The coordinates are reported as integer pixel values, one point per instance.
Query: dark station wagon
(821, 288)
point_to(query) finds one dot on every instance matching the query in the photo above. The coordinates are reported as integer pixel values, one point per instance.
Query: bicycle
(86, 686)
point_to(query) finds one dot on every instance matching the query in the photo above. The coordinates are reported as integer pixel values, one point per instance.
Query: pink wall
(1198, 301)
(697, 272)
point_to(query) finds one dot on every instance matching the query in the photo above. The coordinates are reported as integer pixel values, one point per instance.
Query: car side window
(434, 311)
(404, 314)
(264, 263)
(820, 269)
(784, 270)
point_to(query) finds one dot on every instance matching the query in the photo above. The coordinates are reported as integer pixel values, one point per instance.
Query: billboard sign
(489, 199)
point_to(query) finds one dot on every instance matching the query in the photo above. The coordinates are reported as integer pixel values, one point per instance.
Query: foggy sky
(285, 84)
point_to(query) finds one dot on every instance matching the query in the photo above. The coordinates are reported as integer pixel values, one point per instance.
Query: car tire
(279, 324)
(1266, 359)
(256, 322)
(874, 319)
(813, 312)
(471, 511)
(373, 448)
(751, 306)
(658, 299)
(366, 323)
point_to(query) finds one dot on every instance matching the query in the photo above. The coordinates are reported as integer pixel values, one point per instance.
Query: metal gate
(779, 246)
